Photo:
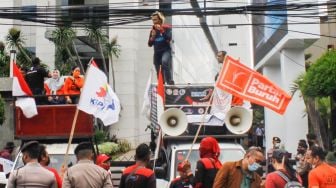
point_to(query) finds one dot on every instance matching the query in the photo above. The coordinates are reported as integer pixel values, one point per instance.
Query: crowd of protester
(311, 166)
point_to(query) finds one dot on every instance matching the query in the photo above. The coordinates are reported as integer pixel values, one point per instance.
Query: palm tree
(97, 35)
(64, 37)
(112, 48)
(15, 40)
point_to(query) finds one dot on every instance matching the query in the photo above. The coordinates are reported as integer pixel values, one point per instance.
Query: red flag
(21, 88)
(241, 81)
(160, 95)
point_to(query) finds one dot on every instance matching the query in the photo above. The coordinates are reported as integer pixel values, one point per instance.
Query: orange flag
(241, 81)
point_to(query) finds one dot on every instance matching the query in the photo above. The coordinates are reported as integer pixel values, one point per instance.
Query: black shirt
(35, 79)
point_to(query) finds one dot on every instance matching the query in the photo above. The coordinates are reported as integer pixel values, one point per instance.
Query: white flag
(21, 88)
(7, 165)
(97, 97)
(221, 103)
(146, 103)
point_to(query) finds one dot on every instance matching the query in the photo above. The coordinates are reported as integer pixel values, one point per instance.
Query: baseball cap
(276, 139)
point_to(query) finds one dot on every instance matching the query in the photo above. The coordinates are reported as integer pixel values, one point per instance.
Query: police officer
(85, 173)
(137, 175)
(32, 175)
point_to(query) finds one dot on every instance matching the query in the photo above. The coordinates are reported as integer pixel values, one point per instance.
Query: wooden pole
(201, 125)
(66, 156)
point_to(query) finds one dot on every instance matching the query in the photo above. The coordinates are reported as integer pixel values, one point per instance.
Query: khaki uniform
(32, 175)
(86, 174)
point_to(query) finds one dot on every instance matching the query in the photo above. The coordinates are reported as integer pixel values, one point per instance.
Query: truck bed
(52, 122)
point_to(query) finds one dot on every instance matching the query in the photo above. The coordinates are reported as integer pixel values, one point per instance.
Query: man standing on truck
(137, 175)
(32, 175)
(241, 173)
(160, 37)
(208, 165)
(85, 173)
(35, 77)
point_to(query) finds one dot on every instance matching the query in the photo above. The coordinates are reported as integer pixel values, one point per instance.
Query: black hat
(29, 145)
(276, 139)
(83, 146)
(9, 145)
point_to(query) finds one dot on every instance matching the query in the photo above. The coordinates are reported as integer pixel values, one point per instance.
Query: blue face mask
(253, 167)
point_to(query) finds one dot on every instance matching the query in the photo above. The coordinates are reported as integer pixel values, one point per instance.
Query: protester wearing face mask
(283, 168)
(301, 151)
(322, 175)
(73, 85)
(241, 173)
(276, 141)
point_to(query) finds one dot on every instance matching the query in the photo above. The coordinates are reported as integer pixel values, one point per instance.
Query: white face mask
(277, 145)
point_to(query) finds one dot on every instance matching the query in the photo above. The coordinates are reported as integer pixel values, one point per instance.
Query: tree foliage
(320, 79)
(4, 61)
(63, 38)
(15, 40)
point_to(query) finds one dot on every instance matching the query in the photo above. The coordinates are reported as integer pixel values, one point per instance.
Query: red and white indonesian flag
(241, 81)
(97, 97)
(21, 88)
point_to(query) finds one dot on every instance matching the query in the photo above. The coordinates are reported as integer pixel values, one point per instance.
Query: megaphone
(173, 122)
(238, 120)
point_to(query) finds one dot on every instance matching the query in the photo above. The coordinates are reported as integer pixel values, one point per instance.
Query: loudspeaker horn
(238, 120)
(173, 122)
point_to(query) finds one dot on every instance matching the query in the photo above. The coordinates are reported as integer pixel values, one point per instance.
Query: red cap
(102, 158)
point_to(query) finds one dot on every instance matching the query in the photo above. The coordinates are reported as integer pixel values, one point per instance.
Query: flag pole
(66, 156)
(201, 125)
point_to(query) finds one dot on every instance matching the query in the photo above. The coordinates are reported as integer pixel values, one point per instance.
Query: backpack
(132, 178)
(290, 183)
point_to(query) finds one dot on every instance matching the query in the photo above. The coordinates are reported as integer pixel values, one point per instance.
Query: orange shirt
(72, 86)
(323, 176)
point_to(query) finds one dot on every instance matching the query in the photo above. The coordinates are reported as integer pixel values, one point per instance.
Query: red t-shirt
(274, 180)
(323, 176)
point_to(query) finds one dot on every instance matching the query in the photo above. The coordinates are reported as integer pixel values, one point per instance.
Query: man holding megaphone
(160, 37)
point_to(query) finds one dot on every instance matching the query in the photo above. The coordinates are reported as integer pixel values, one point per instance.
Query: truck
(53, 124)
(193, 100)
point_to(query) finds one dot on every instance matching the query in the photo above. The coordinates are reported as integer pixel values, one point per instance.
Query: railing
(52, 122)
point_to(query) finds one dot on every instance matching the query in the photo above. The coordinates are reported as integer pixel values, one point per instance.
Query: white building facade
(194, 60)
